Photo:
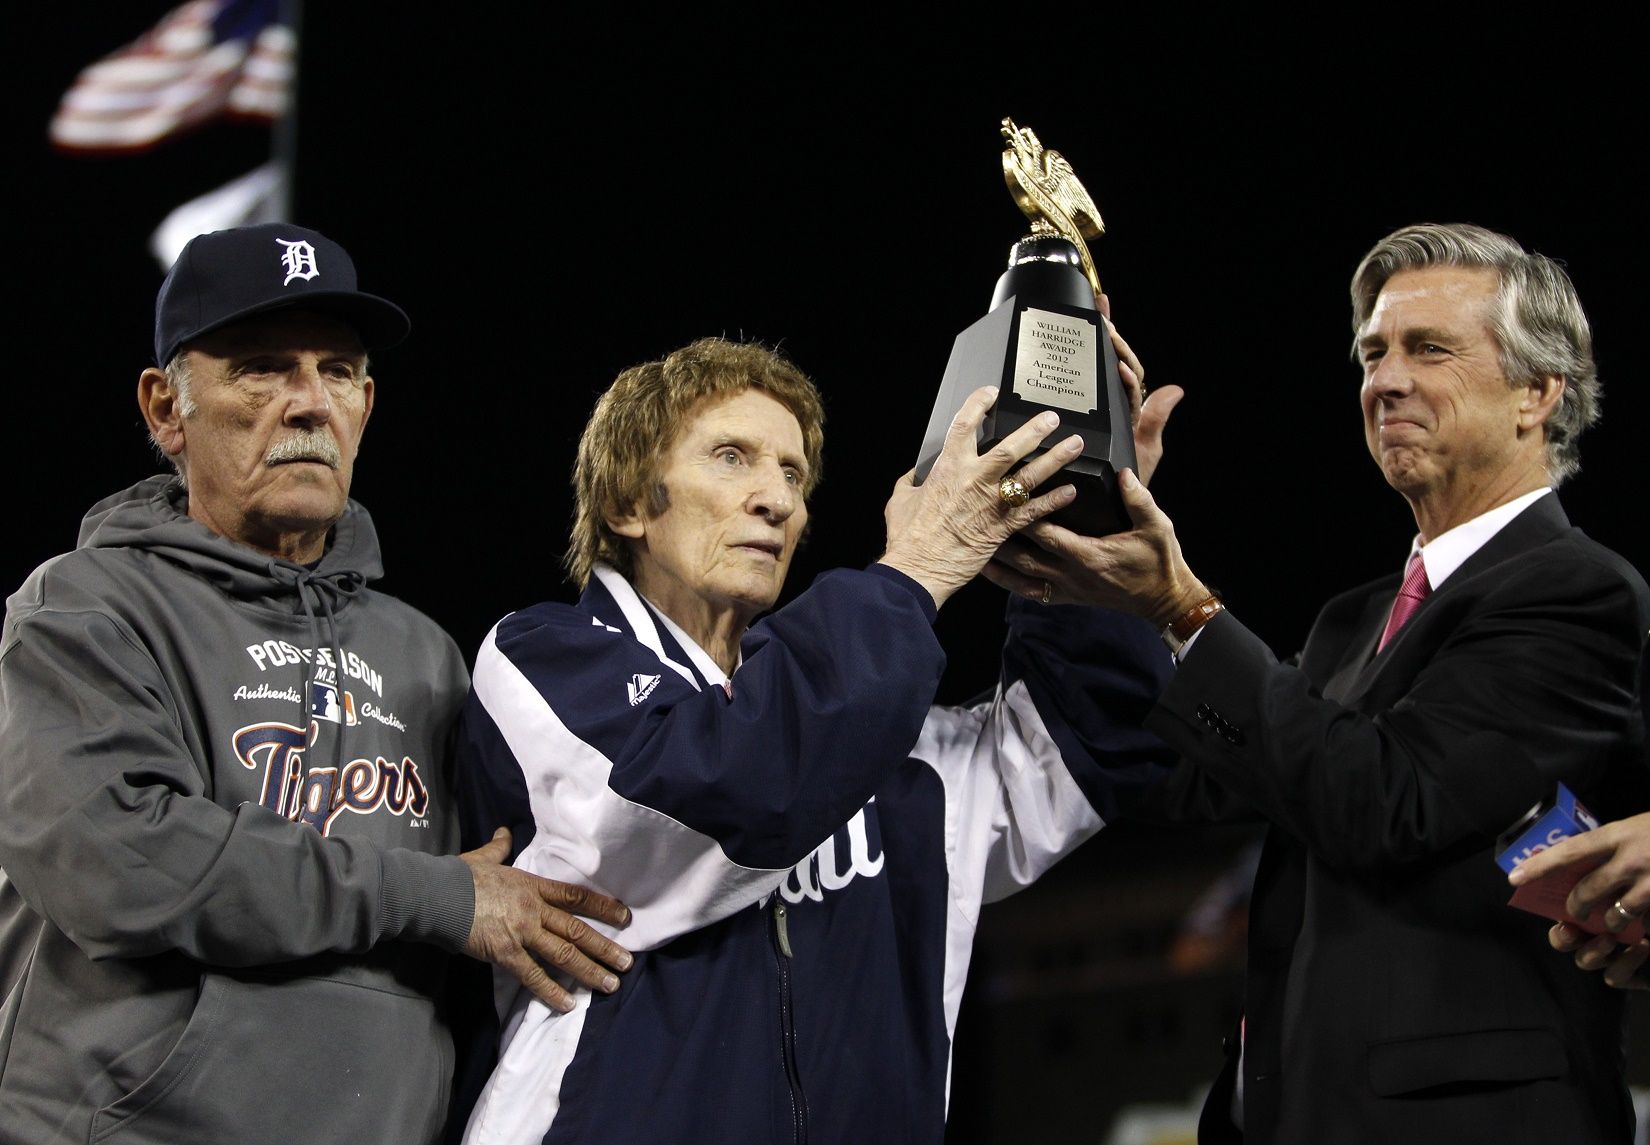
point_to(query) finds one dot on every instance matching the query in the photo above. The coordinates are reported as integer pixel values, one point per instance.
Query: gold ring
(1012, 491)
(1048, 592)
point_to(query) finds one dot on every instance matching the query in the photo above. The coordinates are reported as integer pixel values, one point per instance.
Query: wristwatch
(1177, 633)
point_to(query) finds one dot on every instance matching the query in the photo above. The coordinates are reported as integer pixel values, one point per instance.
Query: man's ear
(159, 403)
(1540, 401)
(367, 391)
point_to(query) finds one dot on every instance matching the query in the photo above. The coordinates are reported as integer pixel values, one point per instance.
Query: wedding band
(1012, 491)
(1627, 916)
(1048, 592)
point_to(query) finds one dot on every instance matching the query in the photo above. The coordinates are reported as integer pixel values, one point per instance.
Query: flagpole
(223, 57)
(284, 137)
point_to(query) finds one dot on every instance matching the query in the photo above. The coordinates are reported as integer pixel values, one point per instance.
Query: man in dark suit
(1392, 995)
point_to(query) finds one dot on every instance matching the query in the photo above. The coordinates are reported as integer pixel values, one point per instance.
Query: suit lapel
(1536, 525)
(1344, 681)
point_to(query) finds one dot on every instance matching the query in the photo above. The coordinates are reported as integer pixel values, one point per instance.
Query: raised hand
(942, 532)
(1148, 412)
(1141, 571)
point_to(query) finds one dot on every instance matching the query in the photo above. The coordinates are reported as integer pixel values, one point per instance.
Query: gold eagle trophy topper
(1044, 343)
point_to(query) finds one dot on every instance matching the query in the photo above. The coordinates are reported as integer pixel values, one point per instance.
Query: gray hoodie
(224, 802)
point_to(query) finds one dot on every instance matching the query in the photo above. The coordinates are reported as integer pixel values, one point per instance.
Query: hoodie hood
(153, 515)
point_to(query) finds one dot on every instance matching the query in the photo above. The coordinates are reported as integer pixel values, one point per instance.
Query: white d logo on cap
(299, 260)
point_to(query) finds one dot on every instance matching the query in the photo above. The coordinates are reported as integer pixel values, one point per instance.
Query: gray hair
(178, 376)
(1537, 321)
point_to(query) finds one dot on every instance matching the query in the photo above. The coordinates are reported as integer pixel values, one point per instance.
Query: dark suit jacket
(1392, 995)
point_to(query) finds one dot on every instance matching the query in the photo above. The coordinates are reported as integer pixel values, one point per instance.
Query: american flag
(205, 59)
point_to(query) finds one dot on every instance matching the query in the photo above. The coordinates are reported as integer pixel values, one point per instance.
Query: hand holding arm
(523, 921)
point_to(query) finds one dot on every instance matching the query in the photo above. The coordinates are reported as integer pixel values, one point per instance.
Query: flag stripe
(205, 59)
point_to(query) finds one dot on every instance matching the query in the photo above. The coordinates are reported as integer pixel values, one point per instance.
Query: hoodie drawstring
(333, 586)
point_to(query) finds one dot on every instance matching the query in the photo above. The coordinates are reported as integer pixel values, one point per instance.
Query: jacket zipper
(787, 1020)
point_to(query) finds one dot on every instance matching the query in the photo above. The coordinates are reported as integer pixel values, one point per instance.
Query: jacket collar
(612, 600)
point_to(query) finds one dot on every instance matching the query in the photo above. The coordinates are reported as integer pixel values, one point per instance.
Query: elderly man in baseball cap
(227, 889)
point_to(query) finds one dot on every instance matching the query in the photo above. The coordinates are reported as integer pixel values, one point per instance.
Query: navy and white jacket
(804, 849)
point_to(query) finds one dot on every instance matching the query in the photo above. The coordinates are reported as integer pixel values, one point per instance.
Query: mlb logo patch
(324, 705)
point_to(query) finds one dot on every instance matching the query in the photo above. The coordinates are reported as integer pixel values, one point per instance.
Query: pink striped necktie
(1410, 595)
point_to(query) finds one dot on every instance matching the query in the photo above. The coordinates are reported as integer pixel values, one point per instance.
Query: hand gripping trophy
(1044, 342)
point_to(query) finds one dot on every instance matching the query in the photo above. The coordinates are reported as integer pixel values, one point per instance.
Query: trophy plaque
(1044, 343)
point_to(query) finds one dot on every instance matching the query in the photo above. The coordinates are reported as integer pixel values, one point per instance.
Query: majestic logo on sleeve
(640, 687)
(319, 796)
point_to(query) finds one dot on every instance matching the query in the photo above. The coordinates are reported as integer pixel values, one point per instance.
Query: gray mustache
(305, 445)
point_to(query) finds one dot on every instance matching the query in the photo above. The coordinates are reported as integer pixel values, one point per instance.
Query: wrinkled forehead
(282, 331)
(1435, 295)
(749, 407)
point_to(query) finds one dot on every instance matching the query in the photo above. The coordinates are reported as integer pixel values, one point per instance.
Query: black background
(553, 203)
(553, 199)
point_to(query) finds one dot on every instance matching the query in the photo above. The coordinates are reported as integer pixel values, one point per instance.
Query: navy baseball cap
(225, 276)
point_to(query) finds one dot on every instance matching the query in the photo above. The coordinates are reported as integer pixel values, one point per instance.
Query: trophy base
(1098, 509)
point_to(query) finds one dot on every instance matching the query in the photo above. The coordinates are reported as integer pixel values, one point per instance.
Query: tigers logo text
(321, 795)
